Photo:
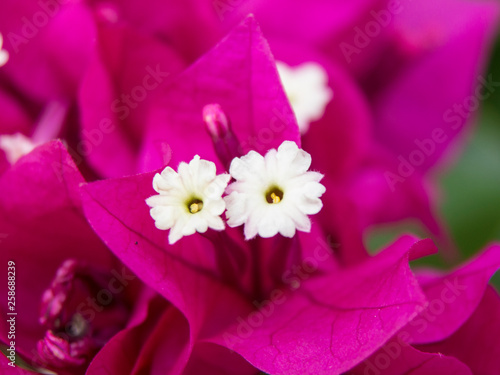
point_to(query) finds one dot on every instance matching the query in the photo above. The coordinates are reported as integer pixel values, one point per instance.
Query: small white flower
(15, 146)
(275, 193)
(189, 200)
(306, 87)
(4, 55)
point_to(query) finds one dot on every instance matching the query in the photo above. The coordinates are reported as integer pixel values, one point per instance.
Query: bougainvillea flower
(398, 57)
(189, 200)
(329, 138)
(287, 301)
(72, 294)
(222, 76)
(185, 274)
(273, 193)
(457, 332)
(113, 120)
(309, 311)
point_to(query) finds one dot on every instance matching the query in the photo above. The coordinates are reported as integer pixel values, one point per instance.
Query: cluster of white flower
(270, 194)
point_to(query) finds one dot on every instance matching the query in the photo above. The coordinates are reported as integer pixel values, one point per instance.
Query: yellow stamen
(195, 206)
(274, 195)
(275, 198)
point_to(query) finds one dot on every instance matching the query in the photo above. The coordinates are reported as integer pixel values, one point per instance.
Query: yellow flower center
(195, 205)
(274, 195)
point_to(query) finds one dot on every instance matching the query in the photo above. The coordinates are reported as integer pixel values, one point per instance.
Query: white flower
(189, 200)
(306, 87)
(15, 146)
(273, 194)
(4, 55)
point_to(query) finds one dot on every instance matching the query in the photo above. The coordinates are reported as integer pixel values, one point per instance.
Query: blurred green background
(470, 190)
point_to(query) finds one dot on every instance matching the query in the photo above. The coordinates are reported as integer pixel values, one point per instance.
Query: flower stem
(229, 258)
(258, 291)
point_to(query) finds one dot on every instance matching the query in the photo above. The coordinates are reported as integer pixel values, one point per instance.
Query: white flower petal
(215, 222)
(202, 172)
(245, 167)
(15, 146)
(287, 229)
(197, 223)
(215, 207)
(4, 54)
(167, 180)
(4, 57)
(314, 190)
(186, 177)
(310, 206)
(175, 233)
(291, 157)
(217, 186)
(271, 165)
(251, 229)
(236, 209)
(163, 218)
